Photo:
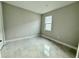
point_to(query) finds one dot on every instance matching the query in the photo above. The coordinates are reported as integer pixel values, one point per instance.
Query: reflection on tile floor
(35, 47)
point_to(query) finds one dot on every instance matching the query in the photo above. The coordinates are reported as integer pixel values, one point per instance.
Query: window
(48, 23)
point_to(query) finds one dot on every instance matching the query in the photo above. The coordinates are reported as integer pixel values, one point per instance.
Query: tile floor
(37, 47)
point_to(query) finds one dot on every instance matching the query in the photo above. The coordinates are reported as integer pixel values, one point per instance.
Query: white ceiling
(40, 6)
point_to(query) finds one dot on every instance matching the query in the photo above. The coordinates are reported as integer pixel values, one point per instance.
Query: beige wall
(0, 22)
(65, 24)
(1, 26)
(19, 22)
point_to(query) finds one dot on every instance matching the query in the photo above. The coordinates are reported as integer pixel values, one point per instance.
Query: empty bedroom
(39, 29)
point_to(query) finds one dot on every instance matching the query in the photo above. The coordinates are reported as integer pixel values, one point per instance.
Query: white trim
(1, 45)
(20, 38)
(70, 46)
(77, 54)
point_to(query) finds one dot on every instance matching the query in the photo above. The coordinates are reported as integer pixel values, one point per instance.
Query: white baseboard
(77, 54)
(20, 38)
(59, 42)
(42, 36)
(1, 45)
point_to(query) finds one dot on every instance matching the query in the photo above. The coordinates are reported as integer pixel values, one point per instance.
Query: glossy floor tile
(37, 47)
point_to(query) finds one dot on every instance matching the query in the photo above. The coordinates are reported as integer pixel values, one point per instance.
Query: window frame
(48, 23)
